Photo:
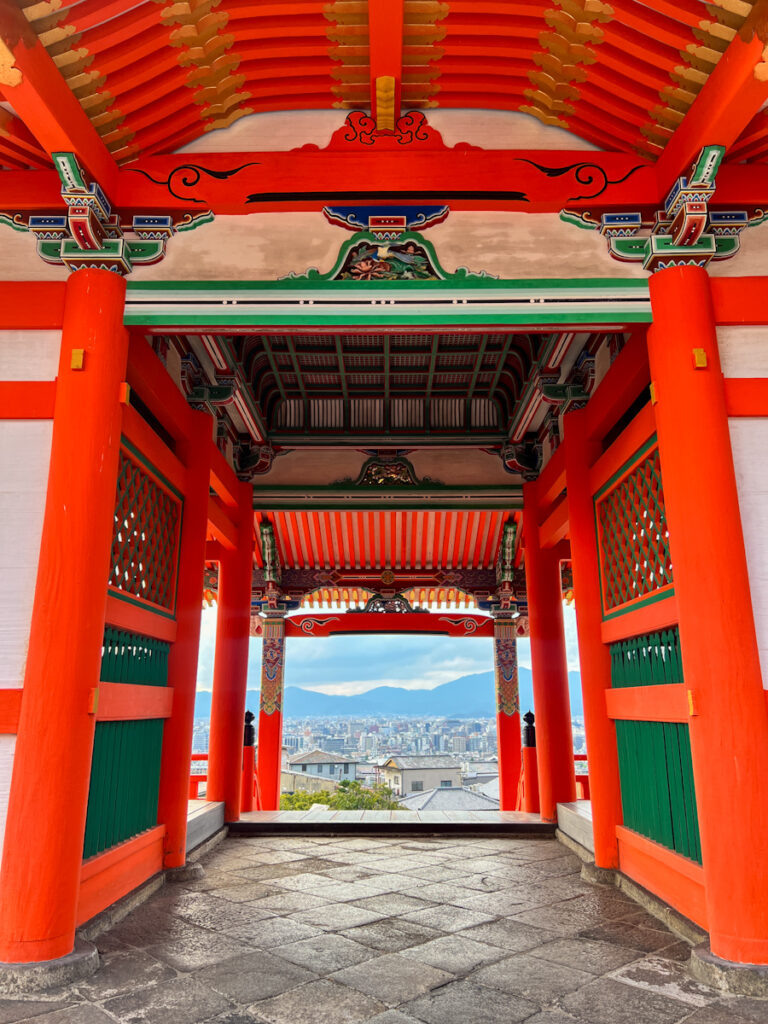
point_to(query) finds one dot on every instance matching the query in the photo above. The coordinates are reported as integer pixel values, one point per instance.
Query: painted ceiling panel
(407, 540)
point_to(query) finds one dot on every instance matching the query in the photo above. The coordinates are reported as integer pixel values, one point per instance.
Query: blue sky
(346, 665)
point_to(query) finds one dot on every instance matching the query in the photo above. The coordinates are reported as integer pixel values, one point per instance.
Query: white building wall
(25, 450)
(744, 353)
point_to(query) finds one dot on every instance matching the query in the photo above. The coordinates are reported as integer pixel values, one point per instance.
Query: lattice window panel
(633, 535)
(145, 540)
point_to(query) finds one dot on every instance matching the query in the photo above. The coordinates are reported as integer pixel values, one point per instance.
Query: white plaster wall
(7, 750)
(749, 439)
(29, 355)
(743, 351)
(752, 257)
(281, 130)
(268, 246)
(25, 449)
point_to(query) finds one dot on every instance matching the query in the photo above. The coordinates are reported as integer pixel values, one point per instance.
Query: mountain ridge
(470, 696)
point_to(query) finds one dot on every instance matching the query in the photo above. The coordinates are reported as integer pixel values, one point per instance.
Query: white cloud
(346, 665)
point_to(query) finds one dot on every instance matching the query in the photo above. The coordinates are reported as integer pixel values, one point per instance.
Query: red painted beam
(663, 703)
(124, 615)
(467, 179)
(624, 381)
(151, 381)
(10, 709)
(31, 305)
(677, 880)
(121, 702)
(27, 399)
(427, 623)
(114, 873)
(728, 101)
(39, 95)
(647, 619)
(746, 396)
(739, 300)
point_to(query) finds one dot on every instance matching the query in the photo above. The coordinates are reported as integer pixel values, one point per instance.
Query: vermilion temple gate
(506, 359)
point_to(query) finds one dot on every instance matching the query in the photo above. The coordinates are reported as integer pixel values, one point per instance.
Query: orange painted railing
(582, 778)
(528, 801)
(195, 780)
(250, 798)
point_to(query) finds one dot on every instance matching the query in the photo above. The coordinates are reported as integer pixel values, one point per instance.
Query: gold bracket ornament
(386, 88)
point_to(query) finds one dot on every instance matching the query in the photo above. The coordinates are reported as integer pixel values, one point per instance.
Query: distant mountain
(467, 697)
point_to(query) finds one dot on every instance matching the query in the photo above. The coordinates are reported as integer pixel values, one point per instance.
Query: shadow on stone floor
(330, 930)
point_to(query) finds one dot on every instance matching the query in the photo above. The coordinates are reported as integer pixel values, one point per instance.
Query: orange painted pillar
(182, 660)
(507, 711)
(594, 655)
(549, 665)
(43, 850)
(721, 668)
(230, 672)
(270, 739)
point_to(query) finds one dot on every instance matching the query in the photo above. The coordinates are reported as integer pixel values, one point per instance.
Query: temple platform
(575, 820)
(389, 822)
(407, 930)
(204, 819)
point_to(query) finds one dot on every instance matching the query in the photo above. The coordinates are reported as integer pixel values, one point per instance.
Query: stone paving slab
(402, 930)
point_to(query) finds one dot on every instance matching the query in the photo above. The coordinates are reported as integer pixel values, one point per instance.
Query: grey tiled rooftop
(339, 930)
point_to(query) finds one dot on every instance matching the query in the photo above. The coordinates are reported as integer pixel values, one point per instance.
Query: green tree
(353, 796)
(350, 796)
(302, 800)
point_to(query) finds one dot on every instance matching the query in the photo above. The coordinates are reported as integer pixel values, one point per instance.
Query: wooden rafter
(730, 98)
(430, 382)
(385, 44)
(299, 380)
(33, 86)
(473, 382)
(152, 77)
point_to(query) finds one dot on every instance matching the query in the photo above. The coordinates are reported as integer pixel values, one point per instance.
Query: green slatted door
(125, 770)
(656, 771)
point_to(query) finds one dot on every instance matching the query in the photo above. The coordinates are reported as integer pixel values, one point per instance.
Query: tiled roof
(454, 798)
(320, 757)
(422, 761)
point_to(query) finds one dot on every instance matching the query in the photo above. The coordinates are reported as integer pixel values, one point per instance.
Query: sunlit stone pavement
(327, 930)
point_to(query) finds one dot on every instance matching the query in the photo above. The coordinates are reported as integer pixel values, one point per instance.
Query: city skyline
(351, 665)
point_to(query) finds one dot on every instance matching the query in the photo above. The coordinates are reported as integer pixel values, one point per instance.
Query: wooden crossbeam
(34, 87)
(728, 101)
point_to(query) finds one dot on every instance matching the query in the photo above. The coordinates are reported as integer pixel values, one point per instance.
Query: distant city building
(418, 774)
(324, 763)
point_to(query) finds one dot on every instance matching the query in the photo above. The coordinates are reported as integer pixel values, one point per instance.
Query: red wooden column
(594, 655)
(549, 664)
(182, 660)
(270, 736)
(43, 850)
(507, 710)
(728, 724)
(230, 672)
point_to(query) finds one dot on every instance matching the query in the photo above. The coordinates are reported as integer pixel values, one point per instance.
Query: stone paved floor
(388, 931)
